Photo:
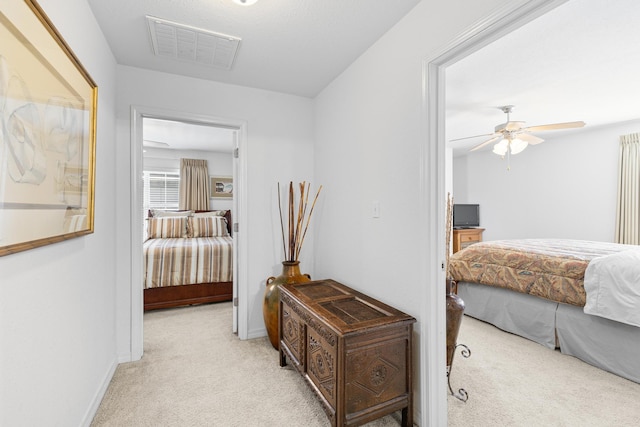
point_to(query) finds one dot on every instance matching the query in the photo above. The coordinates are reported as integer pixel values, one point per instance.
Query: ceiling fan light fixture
(517, 145)
(513, 136)
(501, 147)
(513, 146)
(245, 2)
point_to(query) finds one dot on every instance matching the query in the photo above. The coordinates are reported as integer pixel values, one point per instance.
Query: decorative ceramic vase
(455, 309)
(290, 274)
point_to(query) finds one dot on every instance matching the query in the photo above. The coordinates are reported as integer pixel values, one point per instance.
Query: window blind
(161, 190)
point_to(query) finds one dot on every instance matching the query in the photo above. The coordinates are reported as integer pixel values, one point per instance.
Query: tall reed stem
(297, 223)
(448, 232)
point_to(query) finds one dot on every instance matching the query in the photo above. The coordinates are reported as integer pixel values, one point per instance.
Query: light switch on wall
(376, 209)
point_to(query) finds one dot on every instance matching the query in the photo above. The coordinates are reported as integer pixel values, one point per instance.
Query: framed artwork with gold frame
(47, 133)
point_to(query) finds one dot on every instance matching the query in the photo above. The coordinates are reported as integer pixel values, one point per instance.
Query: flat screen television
(466, 215)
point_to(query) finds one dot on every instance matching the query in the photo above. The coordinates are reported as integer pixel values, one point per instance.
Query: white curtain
(628, 209)
(194, 185)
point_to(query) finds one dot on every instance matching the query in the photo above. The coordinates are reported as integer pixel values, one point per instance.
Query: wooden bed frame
(176, 296)
(200, 293)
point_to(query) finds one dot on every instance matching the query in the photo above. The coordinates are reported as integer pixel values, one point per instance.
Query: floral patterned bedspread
(548, 268)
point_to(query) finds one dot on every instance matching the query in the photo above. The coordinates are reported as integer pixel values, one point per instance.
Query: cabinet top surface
(344, 308)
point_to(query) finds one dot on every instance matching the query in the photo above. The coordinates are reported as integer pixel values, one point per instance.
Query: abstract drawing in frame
(47, 133)
(222, 186)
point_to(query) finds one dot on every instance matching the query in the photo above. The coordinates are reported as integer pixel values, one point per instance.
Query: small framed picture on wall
(222, 187)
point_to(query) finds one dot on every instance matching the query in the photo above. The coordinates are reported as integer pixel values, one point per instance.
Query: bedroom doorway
(233, 145)
(437, 160)
(164, 143)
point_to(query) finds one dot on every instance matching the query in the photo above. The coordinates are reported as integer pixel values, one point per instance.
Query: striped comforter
(548, 268)
(186, 261)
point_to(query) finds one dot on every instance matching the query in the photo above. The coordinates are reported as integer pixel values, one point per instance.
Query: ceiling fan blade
(487, 142)
(531, 139)
(157, 144)
(475, 136)
(555, 126)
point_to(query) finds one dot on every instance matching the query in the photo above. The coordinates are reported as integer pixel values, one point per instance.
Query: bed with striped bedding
(187, 261)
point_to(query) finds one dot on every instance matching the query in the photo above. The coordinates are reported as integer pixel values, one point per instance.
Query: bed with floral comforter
(535, 288)
(548, 268)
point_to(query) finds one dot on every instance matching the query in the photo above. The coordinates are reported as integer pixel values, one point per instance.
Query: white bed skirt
(529, 317)
(609, 345)
(606, 344)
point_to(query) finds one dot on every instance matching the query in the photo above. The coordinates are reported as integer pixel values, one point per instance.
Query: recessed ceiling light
(245, 2)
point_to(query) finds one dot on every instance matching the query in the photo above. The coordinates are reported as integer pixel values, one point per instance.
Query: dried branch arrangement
(449, 229)
(297, 223)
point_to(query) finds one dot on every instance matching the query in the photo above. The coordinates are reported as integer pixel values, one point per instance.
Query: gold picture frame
(222, 187)
(47, 133)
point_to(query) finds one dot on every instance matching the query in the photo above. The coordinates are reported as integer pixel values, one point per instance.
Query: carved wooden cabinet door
(376, 374)
(322, 361)
(293, 334)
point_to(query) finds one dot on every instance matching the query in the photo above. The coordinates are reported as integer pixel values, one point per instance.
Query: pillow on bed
(209, 213)
(165, 228)
(155, 213)
(209, 226)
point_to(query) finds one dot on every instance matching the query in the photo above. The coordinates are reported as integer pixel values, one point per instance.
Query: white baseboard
(257, 333)
(97, 398)
(124, 358)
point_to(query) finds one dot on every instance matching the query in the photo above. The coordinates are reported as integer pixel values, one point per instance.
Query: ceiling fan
(155, 144)
(512, 137)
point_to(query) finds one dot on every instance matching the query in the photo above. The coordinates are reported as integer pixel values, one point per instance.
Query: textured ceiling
(289, 46)
(167, 134)
(577, 62)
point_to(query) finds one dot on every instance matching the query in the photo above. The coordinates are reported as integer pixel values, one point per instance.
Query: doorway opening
(164, 143)
(437, 172)
(232, 146)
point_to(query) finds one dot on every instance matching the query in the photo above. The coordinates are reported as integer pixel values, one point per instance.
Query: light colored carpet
(512, 381)
(195, 372)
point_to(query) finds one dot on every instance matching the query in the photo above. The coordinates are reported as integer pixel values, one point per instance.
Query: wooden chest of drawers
(466, 236)
(353, 351)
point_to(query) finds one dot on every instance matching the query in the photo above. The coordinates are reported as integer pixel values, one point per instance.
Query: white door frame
(437, 176)
(234, 211)
(240, 238)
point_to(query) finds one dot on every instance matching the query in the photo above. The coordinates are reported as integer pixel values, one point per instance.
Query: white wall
(369, 131)
(58, 341)
(219, 164)
(57, 302)
(280, 148)
(563, 188)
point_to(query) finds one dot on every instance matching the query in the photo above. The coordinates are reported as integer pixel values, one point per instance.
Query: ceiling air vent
(186, 43)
